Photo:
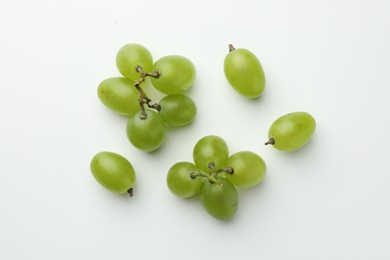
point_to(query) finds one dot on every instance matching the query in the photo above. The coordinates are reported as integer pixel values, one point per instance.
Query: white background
(329, 200)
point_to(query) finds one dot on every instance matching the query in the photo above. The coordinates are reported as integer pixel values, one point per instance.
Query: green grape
(146, 134)
(210, 149)
(244, 72)
(220, 199)
(177, 74)
(177, 110)
(113, 171)
(179, 180)
(119, 95)
(249, 169)
(130, 56)
(291, 131)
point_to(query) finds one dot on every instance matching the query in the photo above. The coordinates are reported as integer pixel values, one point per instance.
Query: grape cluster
(146, 128)
(171, 75)
(214, 175)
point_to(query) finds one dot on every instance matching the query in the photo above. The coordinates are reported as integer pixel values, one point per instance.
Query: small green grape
(210, 149)
(179, 181)
(177, 110)
(291, 131)
(119, 95)
(244, 72)
(130, 56)
(249, 169)
(146, 134)
(177, 73)
(113, 171)
(220, 199)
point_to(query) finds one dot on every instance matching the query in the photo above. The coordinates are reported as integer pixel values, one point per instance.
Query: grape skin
(219, 199)
(177, 110)
(210, 149)
(179, 181)
(119, 95)
(291, 131)
(130, 56)
(113, 171)
(244, 73)
(177, 73)
(146, 134)
(249, 169)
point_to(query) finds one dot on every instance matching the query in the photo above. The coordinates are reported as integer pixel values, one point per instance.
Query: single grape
(119, 95)
(177, 110)
(210, 149)
(130, 56)
(220, 199)
(291, 131)
(113, 171)
(179, 181)
(146, 134)
(177, 74)
(244, 72)
(249, 169)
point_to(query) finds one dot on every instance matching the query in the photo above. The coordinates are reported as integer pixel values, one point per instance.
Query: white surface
(330, 200)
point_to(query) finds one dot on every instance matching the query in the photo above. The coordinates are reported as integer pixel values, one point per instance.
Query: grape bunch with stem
(146, 127)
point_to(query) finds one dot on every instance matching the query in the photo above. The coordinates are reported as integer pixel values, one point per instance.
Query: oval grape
(179, 181)
(177, 110)
(244, 72)
(130, 56)
(119, 95)
(291, 131)
(210, 149)
(220, 199)
(113, 171)
(249, 169)
(177, 73)
(146, 134)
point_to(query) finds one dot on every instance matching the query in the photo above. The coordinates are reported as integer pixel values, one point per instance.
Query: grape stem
(143, 98)
(193, 175)
(231, 48)
(211, 176)
(270, 141)
(228, 170)
(130, 191)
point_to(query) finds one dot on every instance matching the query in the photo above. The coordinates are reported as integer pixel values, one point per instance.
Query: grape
(177, 110)
(210, 149)
(249, 169)
(220, 199)
(244, 72)
(177, 74)
(179, 180)
(146, 134)
(291, 131)
(119, 95)
(130, 56)
(113, 171)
